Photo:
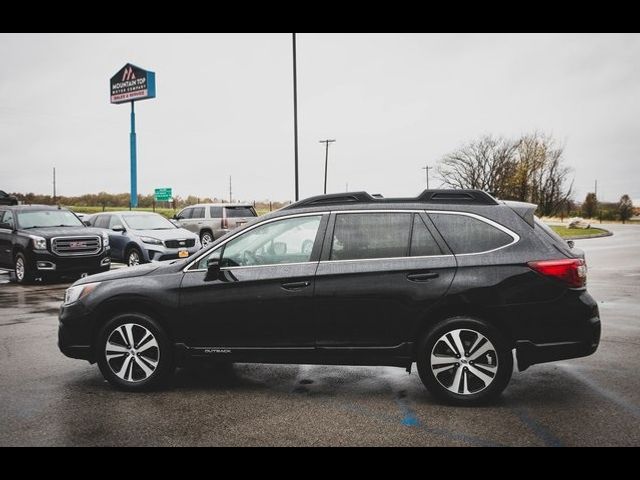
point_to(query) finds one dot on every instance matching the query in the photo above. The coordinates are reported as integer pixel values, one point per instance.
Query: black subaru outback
(453, 280)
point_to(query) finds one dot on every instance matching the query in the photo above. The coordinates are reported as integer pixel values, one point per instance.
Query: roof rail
(450, 196)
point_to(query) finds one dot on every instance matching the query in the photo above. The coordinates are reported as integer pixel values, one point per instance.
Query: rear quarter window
(465, 234)
(240, 212)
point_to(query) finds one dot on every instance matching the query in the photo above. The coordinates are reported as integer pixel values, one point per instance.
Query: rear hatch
(237, 216)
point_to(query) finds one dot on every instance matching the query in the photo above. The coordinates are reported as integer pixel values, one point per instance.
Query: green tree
(625, 208)
(590, 205)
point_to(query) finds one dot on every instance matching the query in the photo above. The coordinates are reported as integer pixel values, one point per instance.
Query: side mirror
(87, 223)
(571, 243)
(7, 226)
(213, 269)
(119, 228)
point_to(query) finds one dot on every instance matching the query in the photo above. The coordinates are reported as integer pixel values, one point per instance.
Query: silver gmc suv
(212, 220)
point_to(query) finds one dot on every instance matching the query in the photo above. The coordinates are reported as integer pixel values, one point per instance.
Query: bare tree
(590, 205)
(486, 164)
(530, 169)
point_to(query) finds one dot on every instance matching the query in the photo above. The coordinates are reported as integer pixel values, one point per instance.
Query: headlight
(151, 241)
(39, 243)
(105, 239)
(73, 294)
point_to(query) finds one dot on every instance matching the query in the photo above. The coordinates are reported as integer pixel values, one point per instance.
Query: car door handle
(295, 285)
(422, 277)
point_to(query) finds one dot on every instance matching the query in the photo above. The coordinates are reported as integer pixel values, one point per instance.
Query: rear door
(380, 272)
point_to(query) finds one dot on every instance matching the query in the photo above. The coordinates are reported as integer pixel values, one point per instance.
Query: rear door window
(422, 242)
(240, 212)
(359, 236)
(466, 234)
(198, 212)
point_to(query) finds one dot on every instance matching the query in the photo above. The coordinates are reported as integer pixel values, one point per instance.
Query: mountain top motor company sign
(132, 83)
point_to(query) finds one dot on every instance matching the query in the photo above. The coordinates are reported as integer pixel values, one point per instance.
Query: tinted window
(102, 221)
(198, 212)
(186, 213)
(48, 218)
(284, 241)
(7, 218)
(239, 212)
(370, 235)
(422, 242)
(466, 234)
(215, 212)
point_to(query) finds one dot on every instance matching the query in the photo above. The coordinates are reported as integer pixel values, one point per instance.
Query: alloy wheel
(134, 258)
(132, 352)
(206, 239)
(464, 361)
(20, 269)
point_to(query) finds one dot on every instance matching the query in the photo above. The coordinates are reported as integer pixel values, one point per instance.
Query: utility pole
(346, 187)
(230, 191)
(326, 161)
(295, 113)
(426, 168)
(54, 184)
(595, 190)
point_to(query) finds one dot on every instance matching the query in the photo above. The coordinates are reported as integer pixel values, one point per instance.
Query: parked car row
(38, 241)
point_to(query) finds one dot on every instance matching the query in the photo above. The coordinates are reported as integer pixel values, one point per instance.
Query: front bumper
(74, 332)
(47, 263)
(159, 253)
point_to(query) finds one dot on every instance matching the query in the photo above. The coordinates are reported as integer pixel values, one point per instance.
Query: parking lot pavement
(48, 399)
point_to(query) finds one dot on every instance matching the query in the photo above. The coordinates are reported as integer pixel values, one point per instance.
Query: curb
(606, 233)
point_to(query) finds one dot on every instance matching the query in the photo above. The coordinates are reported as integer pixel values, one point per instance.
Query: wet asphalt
(48, 399)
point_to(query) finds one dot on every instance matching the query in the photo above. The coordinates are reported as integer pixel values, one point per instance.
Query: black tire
(130, 254)
(22, 271)
(207, 236)
(132, 377)
(463, 368)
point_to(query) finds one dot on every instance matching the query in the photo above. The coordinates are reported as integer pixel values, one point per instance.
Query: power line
(326, 161)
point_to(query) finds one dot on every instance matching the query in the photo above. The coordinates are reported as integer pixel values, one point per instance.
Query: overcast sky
(393, 102)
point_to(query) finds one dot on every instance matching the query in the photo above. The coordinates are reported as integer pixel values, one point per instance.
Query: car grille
(188, 243)
(68, 246)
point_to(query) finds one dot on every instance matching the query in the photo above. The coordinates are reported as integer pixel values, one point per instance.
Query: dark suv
(6, 199)
(49, 242)
(453, 280)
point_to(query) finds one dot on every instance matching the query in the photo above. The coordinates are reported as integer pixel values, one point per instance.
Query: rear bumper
(529, 353)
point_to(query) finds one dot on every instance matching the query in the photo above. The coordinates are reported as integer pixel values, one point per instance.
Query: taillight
(571, 271)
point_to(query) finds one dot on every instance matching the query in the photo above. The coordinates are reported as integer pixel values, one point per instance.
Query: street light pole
(295, 113)
(426, 168)
(326, 161)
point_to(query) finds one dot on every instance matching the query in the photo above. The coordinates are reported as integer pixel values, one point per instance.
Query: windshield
(147, 222)
(47, 218)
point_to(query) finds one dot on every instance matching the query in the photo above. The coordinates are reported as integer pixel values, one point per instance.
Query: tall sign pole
(128, 85)
(134, 159)
(295, 114)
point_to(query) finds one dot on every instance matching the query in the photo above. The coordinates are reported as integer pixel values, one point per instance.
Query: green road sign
(163, 194)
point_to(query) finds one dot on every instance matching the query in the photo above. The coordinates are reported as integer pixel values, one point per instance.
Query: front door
(262, 298)
(6, 236)
(379, 275)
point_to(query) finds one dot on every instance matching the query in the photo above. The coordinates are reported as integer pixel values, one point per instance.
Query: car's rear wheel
(206, 238)
(134, 353)
(23, 272)
(134, 257)
(464, 361)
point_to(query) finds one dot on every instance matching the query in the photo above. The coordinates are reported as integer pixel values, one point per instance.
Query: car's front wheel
(464, 361)
(134, 353)
(134, 257)
(23, 272)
